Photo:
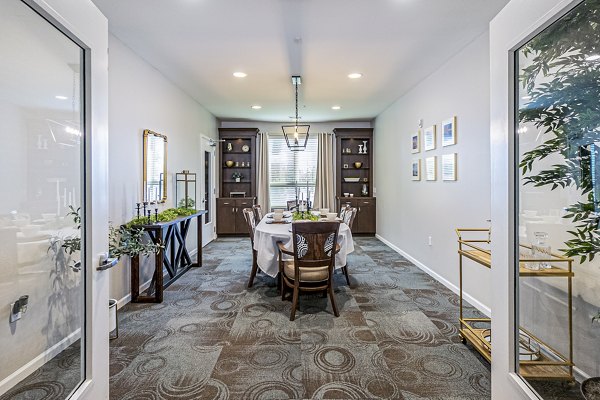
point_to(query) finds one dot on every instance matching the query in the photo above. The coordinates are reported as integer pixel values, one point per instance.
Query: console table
(173, 256)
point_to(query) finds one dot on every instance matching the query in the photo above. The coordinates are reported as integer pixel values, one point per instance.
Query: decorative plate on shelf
(245, 148)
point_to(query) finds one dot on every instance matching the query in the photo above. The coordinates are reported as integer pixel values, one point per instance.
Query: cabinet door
(226, 216)
(366, 216)
(240, 221)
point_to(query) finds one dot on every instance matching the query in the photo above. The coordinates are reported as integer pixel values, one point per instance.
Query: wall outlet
(429, 242)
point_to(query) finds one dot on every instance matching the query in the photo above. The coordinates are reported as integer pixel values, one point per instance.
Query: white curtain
(325, 185)
(262, 172)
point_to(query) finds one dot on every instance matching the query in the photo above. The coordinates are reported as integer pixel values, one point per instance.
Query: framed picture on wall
(416, 170)
(430, 168)
(449, 167)
(415, 142)
(449, 132)
(429, 138)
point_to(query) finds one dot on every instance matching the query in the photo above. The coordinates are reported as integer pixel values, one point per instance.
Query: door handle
(107, 262)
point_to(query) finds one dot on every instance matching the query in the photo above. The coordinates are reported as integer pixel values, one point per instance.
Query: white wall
(141, 98)
(408, 212)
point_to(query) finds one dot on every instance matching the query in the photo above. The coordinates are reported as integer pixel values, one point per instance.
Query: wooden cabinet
(354, 176)
(366, 217)
(230, 218)
(237, 156)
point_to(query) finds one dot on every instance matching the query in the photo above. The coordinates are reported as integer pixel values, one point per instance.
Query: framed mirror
(154, 182)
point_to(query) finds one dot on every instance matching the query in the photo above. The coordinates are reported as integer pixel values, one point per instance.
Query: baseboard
(10, 381)
(127, 298)
(470, 299)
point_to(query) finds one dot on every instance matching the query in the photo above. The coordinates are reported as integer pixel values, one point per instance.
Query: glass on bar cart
(541, 250)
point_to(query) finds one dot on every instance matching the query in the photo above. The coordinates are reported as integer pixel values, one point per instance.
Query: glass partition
(42, 329)
(558, 139)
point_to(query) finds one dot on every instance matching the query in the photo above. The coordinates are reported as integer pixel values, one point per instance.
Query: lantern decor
(185, 189)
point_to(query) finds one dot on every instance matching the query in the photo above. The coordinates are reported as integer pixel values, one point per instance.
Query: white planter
(112, 315)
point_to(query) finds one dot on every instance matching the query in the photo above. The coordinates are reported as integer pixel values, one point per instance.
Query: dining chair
(348, 218)
(258, 213)
(251, 223)
(292, 205)
(311, 269)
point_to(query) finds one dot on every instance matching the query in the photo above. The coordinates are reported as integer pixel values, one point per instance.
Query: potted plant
(237, 176)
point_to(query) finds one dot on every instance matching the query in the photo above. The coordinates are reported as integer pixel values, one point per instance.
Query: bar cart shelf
(539, 360)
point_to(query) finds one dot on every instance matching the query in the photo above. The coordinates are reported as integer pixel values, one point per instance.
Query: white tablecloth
(266, 237)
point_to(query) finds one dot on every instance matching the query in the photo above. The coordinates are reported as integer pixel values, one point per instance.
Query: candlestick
(156, 215)
(138, 205)
(149, 217)
(145, 205)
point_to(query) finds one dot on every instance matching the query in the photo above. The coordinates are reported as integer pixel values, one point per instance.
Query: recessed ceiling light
(61, 97)
(355, 75)
(256, 107)
(593, 57)
(240, 74)
(336, 107)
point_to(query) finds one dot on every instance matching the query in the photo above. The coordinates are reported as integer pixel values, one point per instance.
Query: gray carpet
(212, 338)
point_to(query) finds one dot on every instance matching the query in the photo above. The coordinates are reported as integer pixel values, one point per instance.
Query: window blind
(289, 169)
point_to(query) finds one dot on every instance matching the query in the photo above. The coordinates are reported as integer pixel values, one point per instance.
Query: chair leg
(294, 303)
(332, 298)
(345, 270)
(282, 285)
(254, 269)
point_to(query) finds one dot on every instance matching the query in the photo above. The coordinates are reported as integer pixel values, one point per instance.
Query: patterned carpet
(212, 338)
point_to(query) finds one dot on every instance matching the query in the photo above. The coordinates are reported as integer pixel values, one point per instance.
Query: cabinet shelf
(550, 364)
(236, 152)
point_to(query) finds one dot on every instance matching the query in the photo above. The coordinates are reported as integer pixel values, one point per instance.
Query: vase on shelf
(364, 191)
(364, 147)
(360, 151)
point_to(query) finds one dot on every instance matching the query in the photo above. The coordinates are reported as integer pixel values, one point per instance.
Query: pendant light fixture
(296, 136)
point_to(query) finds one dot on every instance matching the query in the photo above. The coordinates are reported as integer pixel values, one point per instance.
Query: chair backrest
(349, 216)
(343, 209)
(250, 222)
(258, 213)
(314, 243)
(292, 205)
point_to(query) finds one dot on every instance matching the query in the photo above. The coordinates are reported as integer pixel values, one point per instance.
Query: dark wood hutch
(354, 176)
(237, 156)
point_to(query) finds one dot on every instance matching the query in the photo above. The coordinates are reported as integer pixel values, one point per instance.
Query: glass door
(45, 259)
(207, 189)
(558, 204)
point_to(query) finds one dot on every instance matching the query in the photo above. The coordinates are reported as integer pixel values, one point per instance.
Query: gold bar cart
(550, 364)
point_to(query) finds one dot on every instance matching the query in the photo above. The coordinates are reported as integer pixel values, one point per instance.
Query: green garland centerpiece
(304, 216)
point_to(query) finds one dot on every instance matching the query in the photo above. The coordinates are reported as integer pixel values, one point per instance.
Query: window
(291, 169)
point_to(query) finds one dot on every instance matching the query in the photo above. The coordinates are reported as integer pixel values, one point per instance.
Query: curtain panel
(325, 186)
(262, 181)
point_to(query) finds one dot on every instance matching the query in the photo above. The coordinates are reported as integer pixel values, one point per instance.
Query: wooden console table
(173, 256)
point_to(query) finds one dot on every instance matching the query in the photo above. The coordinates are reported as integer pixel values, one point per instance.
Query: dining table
(267, 233)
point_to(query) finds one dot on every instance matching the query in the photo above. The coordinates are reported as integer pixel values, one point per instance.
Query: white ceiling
(198, 44)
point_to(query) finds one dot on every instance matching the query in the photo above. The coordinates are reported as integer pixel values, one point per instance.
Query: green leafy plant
(565, 107)
(124, 241)
(237, 175)
(188, 202)
(298, 215)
